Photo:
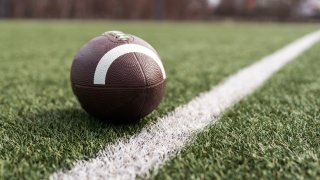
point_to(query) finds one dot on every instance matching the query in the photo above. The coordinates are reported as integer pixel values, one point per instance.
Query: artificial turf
(272, 134)
(43, 128)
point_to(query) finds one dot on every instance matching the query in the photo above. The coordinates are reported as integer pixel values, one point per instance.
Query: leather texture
(134, 82)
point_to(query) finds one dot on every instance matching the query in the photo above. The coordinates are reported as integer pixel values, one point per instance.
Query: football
(118, 77)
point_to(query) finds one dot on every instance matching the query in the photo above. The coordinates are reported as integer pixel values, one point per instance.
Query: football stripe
(133, 157)
(107, 59)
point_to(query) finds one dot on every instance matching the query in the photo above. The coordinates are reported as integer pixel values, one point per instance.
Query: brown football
(118, 77)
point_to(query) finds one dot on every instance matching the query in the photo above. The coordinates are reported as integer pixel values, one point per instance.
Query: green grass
(273, 134)
(43, 128)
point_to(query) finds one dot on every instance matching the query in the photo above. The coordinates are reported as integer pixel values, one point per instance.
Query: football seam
(144, 76)
(121, 87)
(145, 81)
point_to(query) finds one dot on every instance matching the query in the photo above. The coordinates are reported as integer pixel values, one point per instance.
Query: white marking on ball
(107, 59)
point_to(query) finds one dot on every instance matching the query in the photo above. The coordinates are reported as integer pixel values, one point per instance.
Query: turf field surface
(273, 134)
(155, 144)
(42, 126)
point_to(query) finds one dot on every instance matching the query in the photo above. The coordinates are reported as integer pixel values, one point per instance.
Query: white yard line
(155, 144)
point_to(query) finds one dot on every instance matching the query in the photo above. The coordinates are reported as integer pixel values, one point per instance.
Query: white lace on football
(118, 34)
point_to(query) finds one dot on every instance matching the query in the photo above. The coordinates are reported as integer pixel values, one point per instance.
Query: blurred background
(279, 10)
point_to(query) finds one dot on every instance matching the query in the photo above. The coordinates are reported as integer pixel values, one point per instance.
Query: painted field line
(136, 156)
